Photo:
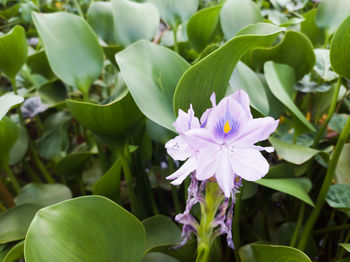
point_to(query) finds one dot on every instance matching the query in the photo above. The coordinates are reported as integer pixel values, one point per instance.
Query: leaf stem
(12, 178)
(294, 239)
(6, 195)
(236, 222)
(325, 187)
(330, 229)
(176, 44)
(342, 251)
(40, 165)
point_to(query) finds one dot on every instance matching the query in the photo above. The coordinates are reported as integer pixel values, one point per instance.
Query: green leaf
(203, 27)
(89, 229)
(323, 65)
(158, 133)
(174, 12)
(134, 21)
(53, 93)
(260, 95)
(338, 197)
(271, 253)
(16, 253)
(19, 149)
(293, 153)
(100, 18)
(342, 170)
(212, 73)
(109, 184)
(158, 257)
(7, 102)
(39, 64)
(339, 50)
(331, 13)
(309, 28)
(15, 222)
(73, 50)
(8, 137)
(280, 79)
(297, 187)
(151, 73)
(345, 245)
(295, 50)
(13, 51)
(73, 164)
(112, 122)
(43, 195)
(237, 14)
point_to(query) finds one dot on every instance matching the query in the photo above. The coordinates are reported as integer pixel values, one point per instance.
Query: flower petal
(208, 158)
(178, 148)
(242, 98)
(248, 163)
(180, 175)
(256, 130)
(186, 121)
(225, 175)
(199, 138)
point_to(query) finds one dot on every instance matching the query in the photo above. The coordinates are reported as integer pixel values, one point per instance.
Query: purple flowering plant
(219, 151)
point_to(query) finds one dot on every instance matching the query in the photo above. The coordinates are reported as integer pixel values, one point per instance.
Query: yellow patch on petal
(227, 127)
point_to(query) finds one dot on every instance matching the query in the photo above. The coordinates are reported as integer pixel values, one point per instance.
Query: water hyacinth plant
(174, 131)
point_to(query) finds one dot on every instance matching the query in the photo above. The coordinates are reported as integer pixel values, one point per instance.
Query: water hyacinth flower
(219, 151)
(32, 107)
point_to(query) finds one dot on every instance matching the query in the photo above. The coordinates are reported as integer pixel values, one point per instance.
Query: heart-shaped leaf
(151, 73)
(212, 73)
(339, 51)
(338, 197)
(236, 14)
(297, 187)
(73, 50)
(309, 28)
(7, 102)
(258, 253)
(280, 79)
(8, 137)
(174, 12)
(13, 51)
(107, 232)
(134, 21)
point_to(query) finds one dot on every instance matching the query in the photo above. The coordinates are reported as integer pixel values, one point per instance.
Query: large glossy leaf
(280, 79)
(339, 51)
(90, 228)
(43, 195)
(342, 170)
(338, 197)
(311, 30)
(157, 257)
(100, 17)
(19, 149)
(271, 253)
(7, 102)
(8, 137)
(110, 122)
(331, 13)
(203, 26)
(13, 51)
(174, 12)
(294, 50)
(15, 253)
(73, 50)
(39, 64)
(151, 73)
(260, 95)
(15, 222)
(134, 21)
(109, 184)
(236, 14)
(53, 93)
(293, 153)
(73, 164)
(297, 187)
(212, 73)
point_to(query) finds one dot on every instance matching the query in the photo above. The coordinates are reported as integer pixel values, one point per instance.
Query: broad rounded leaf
(16, 253)
(158, 257)
(338, 197)
(151, 73)
(280, 79)
(8, 137)
(293, 153)
(73, 164)
(297, 187)
(19, 149)
(43, 194)
(309, 28)
(174, 12)
(110, 122)
(89, 229)
(212, 73)
(7, 102)
(331, 13)
(39, 64)
(72, 50)
(236, 14)
(203, 27)
(271, 253)
(342, 170)
(13, 51)
(295, 50)
(339, 51)
(134, 21)
(15, 222)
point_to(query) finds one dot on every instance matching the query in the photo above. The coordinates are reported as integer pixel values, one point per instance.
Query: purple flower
(223, 146)
(32, 107)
